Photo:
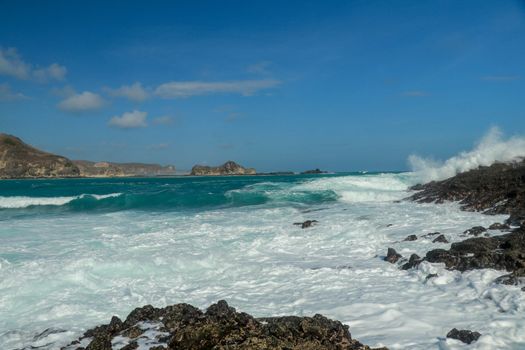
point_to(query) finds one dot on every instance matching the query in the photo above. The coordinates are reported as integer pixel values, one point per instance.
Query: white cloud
(12, 64)
(6, 94)
(53, 72)
(179, 89)
(133, 92)
(129, 120)
(83, 102)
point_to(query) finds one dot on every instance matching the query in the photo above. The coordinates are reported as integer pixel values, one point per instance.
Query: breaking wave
(16, 202)
(492, 148)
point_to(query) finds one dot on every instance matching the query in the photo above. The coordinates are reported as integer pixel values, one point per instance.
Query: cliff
(107, 169)
(228, 168)
(20, 160)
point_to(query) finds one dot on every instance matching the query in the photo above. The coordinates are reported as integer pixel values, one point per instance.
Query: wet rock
(495, 189)
(131, 346)
(431, 275)
(475, 231)
(392, 256)
(440, 239)
(101, 342)
(463, 335)
(306, 224)
(426, 235)
(410, 238)
(512, 279)
(221, 327)
(413, 261)
(505, 252)
(499, 226)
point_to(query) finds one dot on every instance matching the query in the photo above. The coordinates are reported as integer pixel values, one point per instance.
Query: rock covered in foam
(495, 189)
(183, 326)
(505, 252)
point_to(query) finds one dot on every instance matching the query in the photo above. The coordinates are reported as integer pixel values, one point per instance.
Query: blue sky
(276, 85)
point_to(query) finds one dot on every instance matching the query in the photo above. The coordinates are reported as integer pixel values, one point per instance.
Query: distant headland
(19, 160)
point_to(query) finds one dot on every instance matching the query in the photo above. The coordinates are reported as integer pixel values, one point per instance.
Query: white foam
(492, 148)
(24, 202)
(366, 188)
(78, 271)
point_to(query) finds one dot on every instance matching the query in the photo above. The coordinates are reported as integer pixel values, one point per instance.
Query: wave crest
(491, 149)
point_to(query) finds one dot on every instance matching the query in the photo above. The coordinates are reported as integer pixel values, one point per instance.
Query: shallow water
(75, 252)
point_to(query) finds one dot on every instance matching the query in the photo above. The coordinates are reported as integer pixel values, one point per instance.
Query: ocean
(74, 252)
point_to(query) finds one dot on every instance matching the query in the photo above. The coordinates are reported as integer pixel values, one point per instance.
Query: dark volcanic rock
(413, 261)
(20, 160)
(440, 239)
(182, 326)
(228, 168)
(427, 235)
(496, 189)
(505, 252)
(431, 275)
(392, 256)
(499, 226)
(475, 231)
(410, 238)
(464, 335)
(306, 224)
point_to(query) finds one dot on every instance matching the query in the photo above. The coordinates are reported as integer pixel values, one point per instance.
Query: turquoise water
(74, 252)
(39, 197)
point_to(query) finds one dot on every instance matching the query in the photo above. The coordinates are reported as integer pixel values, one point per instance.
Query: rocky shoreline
(183, 326)
(496, 189)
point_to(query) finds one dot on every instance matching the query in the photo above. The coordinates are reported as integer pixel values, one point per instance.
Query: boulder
(463, 335)
(392, 256)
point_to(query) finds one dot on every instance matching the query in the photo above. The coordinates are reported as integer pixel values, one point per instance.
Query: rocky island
(228, 168)
(20, 160)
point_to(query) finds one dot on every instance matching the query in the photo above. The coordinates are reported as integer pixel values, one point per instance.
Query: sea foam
(492, 148)
(24, 201)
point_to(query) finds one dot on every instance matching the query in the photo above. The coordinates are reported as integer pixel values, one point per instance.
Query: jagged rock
(228, 168)
(410, 238)
(221, 327)
(20, 160)
(496, 189)
(475, 231)
(464, 335)
(306, 224)
(440, 239)
(392, 256)
(413, 261)
(499, 226)
(505, 252)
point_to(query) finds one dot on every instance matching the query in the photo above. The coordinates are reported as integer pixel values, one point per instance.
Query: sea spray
(492, 148)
